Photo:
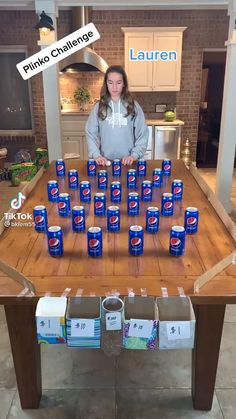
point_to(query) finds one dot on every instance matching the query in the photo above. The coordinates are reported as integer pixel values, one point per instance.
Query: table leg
(209, 325)
(26, 353)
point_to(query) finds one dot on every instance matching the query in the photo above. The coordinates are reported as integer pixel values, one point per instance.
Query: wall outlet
(160, 108)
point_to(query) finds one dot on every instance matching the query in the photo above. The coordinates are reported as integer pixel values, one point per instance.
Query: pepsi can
(64, 204)
(157, 178)
(135, 240)
(91, 167)
(191, 220)
(131, 179)
(113, 218)
(152, 219)
(133, 203)
(85, 191)
(116, 192)
(102, 179)
(141, 167)
(94, 237)
(78, 218)
(73, 179)
(40, 218)
(146, 192)
(60, 167)
(177, 241)
(99, 203)
(53, 190)
(167, 204)
(55, 241)
(166, 167)
(116, 168)
(177, 189)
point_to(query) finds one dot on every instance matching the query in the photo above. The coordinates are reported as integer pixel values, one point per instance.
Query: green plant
(82, 95)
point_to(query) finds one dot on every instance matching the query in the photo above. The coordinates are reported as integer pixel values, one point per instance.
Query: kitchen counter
(163, 122)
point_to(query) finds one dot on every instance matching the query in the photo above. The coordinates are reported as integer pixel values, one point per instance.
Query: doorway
(213, 73)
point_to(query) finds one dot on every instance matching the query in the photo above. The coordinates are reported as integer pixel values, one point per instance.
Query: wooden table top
(26, 250)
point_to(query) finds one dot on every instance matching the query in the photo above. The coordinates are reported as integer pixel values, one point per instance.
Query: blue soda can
(78, 218)
(55, 241)
(177, 189)
(157, 178)
(116, 192)
(131, 178)
(99, 203)
(116, 167)
(166, 167)
(177, 241)
(152, 219)
(53, 190)
(94, 237)
(85, 191)
(113, 218)
(73, 179)
(40, 218)
(135, 240)
(102, 179)
(60, 167)
(167, 204)
(64, 204)
(141, 167)
(191, 218)
(133, 203)
(91, 167)
(146, 191)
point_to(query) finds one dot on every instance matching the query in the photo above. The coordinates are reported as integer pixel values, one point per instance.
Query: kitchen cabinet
(153, 58)
(73, 135)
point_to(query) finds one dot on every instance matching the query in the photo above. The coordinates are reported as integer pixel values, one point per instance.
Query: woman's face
(115, 84)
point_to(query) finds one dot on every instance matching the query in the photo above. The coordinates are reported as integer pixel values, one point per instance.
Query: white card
(48, 326)
(113, 320)
(140, 328)
(178, 330)
(82, 327)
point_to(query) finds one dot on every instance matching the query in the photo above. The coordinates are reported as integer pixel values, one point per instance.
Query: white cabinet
(153, 58)
(73, 135)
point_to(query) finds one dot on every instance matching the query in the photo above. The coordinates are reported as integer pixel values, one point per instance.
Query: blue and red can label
(94, 237)
(60, 167)
(40, 218)
(157, 178)
(177, 241)
(166, 167)
(102, 179)
(115, 192)
(91, 167)
(113, 218)
(131, 179)
(55, 241)
(85, 191)
(73, 179)
(191, 220)
(133, 203)
(53, 190)
(152, 219)
(177, 189)
(136, 240)
(99, 204)
(78, 218)
(141, 167)
(64, 204)
(146, 191)
(167, 204)
(116, 168)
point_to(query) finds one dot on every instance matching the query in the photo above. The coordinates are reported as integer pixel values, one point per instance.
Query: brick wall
(206, 29)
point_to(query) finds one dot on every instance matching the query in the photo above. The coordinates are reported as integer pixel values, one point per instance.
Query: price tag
(113, 321)
(48, 326)
(178, 330)
(140, 328)
(82, 327)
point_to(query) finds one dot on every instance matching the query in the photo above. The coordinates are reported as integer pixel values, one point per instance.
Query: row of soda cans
(55, 239)
(116, 167)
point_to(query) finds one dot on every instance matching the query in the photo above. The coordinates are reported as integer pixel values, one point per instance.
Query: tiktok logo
(16, 203)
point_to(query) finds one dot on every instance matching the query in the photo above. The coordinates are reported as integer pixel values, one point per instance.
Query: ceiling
(120, 4)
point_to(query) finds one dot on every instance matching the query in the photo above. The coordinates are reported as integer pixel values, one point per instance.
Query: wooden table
(26, 250)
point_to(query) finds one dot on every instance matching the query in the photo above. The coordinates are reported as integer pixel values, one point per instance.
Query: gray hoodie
(117, 136)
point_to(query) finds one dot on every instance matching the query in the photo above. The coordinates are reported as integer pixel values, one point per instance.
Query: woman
(116, 127)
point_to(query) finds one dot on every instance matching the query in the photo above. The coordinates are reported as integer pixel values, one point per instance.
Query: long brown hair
(125, 94)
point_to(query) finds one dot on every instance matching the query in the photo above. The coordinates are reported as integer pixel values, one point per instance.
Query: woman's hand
(127, 160)
(101, 161)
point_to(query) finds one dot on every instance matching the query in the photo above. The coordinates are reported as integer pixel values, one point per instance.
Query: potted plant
(82, 96)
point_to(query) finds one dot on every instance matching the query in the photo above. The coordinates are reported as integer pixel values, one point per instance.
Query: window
(15, 102)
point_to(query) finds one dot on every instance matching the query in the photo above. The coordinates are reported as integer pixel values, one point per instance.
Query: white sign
(140, 328)
(113, 321)
(58, 51)
(49, 326)
(82, 327)
(178, 330)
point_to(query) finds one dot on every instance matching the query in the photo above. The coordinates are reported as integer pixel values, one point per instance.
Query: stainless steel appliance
(166, 142)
